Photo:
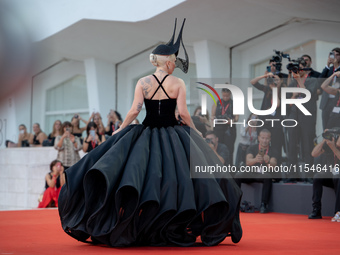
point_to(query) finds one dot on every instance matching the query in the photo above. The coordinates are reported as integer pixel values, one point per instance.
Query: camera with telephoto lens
(331, 133)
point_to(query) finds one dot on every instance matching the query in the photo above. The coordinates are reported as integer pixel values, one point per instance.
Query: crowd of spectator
(262, 146)
(258, 146)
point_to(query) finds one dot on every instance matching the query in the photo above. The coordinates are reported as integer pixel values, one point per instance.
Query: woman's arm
(62, 177)
(318, 150)
(331, 144)
(86, 144)
(257, 79)
(80, 118)
(135, 108)
(91, 118)
(21, 136)
(76, 143)
(101, 125)
(30, 140)
(325, 85)
(58, 143)
(207, 123)
(51, 182)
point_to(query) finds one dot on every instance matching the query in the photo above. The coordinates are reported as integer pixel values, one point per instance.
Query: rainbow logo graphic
(209, 93)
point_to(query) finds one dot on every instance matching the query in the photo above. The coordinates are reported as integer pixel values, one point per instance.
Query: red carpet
(40, 232)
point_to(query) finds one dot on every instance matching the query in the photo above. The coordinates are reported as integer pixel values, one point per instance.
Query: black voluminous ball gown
(135, 189)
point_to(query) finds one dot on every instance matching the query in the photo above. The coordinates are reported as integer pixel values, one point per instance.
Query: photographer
(225, 132)
(261, 154)
(54, 180)
(97, 118)
(272, 81)
(330, 146)
(334, 89)
(93, 139)
(327, 100)
(275, 64)
(76, 129)
(305, 130)
(114, 120)
(311, 72)
(220, 149)
(68, 146)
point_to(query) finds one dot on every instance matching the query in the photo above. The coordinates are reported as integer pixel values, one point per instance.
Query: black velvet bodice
(160, 113)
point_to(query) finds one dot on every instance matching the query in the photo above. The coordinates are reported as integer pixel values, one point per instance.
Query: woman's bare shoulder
(145, 79)
(175, 80)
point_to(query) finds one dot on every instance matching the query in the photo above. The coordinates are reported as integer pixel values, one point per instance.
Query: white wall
(22, 176)
(58, 15)
(100, 78)
(49, 79)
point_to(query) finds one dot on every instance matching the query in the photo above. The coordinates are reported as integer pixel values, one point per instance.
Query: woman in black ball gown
(136, 188)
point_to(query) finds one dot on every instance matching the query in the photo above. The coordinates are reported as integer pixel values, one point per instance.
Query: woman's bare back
(150, 85)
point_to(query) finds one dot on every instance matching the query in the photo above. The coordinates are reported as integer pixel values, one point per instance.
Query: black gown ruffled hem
(135, 190)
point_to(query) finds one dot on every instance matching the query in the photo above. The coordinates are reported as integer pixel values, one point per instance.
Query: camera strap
(93, 143)
(338, 102)
(224, 110)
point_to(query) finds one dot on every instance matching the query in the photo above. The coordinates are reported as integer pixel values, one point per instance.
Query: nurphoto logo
(238, 104)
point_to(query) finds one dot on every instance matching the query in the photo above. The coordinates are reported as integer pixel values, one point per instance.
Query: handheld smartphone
(269, 69)
(76, 116)
(331, 54)
(93, 133)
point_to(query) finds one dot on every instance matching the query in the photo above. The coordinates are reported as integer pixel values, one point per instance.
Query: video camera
(294, 65)
(277, 58)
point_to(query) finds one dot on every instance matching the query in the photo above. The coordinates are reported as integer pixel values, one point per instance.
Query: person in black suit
(330, 148)
(305, 130)
(312, 72)
(327, 100)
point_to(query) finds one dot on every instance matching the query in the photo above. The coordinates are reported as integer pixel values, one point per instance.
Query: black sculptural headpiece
(173, 48)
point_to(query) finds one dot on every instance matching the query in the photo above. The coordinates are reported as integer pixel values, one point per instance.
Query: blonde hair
(159, 60)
